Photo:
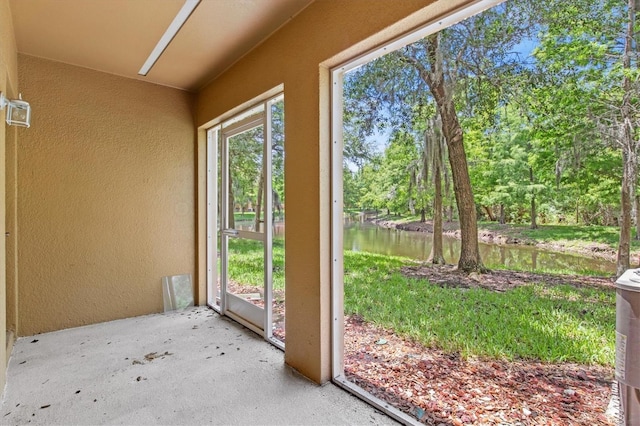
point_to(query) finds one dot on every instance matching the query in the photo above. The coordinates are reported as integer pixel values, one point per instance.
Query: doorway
(245, 211)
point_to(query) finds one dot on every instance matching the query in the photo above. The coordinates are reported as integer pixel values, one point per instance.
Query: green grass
(559, 270)
(551, 324)
(246, 262)
(531, 322)
(569, 235)
(246, 216)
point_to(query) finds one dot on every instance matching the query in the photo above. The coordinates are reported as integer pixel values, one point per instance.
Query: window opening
(388, 319)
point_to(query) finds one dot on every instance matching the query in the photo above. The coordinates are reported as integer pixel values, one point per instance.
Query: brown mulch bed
(443, 389)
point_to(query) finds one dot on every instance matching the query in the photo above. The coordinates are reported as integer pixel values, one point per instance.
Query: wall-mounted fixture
(18, 111)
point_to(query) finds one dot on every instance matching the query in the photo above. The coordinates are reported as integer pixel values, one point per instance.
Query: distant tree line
(526, 112)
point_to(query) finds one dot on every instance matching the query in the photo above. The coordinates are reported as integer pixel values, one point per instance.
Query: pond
(370, 238)
(367, 237)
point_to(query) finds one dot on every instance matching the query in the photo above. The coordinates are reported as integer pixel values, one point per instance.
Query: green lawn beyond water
(551, 324)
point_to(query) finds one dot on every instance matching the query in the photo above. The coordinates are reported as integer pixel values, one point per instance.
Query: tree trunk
(259, 203)
(628, 151)
(489, 212)
(231, 200)
(437, 256)
(469, 251)
(534, 224)
(624, 244)
(637, 216)
(502, 215)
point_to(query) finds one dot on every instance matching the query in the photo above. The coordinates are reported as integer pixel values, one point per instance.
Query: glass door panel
(244, 258)
(245, 166)
(246, 180)
(245, 279)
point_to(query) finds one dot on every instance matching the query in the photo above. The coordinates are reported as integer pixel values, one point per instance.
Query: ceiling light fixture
(18, 111)
(182, 16)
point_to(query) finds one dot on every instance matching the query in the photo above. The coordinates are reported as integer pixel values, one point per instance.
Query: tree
(627, 138)
(593, 44)
(434, 158)
(432, 72)
(245, 171)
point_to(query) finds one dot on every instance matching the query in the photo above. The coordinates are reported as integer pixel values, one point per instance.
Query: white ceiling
(117, 36)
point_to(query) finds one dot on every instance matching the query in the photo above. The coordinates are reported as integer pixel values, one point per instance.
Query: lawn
(548, 323)
(246, 216)
(536, 321)
(246, 262)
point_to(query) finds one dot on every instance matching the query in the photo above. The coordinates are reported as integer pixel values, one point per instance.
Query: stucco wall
(8, 86)
(105, 195)
(299, 56)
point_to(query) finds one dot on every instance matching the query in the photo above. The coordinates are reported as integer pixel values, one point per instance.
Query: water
(370, 238)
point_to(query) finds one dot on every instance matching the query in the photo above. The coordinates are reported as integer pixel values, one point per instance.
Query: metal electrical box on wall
(627, 371)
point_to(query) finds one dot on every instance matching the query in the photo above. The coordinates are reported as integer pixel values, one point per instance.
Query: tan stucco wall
(299, 56)
(105, 195)
(8, 86)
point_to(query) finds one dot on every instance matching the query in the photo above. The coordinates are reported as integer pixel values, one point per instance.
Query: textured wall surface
(105, 195)
(299, 56)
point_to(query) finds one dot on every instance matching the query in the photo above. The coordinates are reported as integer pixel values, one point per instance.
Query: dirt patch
(441, 388)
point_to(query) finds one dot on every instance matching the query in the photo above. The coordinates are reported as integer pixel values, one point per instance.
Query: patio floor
(187, 367)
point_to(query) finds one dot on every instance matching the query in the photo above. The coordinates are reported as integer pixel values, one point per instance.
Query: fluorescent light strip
(178, 22)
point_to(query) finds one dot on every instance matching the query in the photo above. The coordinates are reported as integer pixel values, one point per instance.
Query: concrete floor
(189, 367)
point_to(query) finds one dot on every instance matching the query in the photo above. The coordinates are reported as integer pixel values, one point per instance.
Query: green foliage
(246, 152)
(551, 324)
(386, 182)
(245, 166)
(244, 217)
(537, 87)
(277, 153)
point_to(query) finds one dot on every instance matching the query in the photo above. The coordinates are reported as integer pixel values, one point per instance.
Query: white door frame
(251, 316)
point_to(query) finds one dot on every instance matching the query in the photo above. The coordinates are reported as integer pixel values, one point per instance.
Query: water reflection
(367, 237)
(278, 227)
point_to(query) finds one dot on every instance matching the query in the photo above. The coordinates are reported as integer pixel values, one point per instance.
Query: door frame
(258, 113)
